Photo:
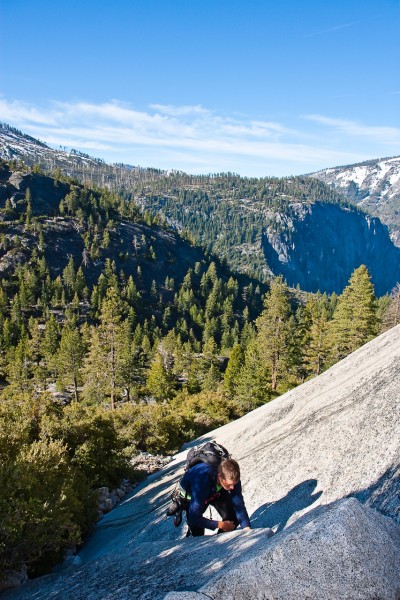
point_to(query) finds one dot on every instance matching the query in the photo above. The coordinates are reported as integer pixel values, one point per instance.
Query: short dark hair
(229, 470)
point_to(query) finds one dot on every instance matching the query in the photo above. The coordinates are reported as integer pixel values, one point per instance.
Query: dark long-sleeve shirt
(200, 482)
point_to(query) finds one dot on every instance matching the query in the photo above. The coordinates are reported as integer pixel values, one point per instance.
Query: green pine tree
(109, 350)
(159, 379)
(69, 359)
(253, 381)
(20, 366)
(316, 341)
(274, 332)
(233, 371)
(354, 321)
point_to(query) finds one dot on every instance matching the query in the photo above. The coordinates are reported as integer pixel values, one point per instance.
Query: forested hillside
(118, 336)
(229, 214)
(297, 227)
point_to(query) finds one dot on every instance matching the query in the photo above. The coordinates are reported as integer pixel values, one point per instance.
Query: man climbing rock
(219, 486)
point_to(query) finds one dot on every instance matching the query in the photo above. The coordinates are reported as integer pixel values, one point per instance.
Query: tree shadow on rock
(276, 514)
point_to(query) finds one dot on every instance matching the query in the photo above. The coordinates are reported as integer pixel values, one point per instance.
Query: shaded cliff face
(321, 246)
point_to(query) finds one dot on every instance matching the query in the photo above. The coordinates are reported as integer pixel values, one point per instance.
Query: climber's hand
(226, 525)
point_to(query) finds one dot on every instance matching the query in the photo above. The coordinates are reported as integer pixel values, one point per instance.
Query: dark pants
(222, 502)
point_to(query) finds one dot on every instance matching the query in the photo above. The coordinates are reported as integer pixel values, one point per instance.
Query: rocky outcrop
(344, 550)
(145, 462)
(107, 500)
(320, 467)
(46, 192)
(11, 260)
(149, 463)
(319, 246)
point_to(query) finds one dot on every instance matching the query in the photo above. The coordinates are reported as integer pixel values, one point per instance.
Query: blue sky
(254, 87)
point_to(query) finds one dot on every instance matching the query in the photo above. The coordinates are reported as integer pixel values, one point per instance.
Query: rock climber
(206, 485)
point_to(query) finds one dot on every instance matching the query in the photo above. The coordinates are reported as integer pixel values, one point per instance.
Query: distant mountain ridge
(16, 145)
(300, 227)
(374, 185)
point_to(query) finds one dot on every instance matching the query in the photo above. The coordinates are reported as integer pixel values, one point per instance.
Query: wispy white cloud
(12, 111)
(191, 138)
(178, 111)
(331, 29)
(372, 18)
(354, 129)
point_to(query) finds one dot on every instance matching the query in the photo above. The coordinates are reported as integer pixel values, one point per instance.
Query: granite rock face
(46, 194)
(321, 246)
(345, 550)
(320, 467)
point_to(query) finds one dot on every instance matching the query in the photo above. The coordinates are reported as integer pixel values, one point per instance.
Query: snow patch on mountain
(16, 145)
(394, 178)
(357, 175)
(374, 185)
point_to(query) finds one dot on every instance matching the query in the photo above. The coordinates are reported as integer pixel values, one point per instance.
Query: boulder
(108, 504)
(120, 493)
(342, 551)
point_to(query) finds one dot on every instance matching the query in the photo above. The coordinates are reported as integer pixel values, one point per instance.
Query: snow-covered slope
(374, 185)
(15, 145)
(320, 467)
(19, 146)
